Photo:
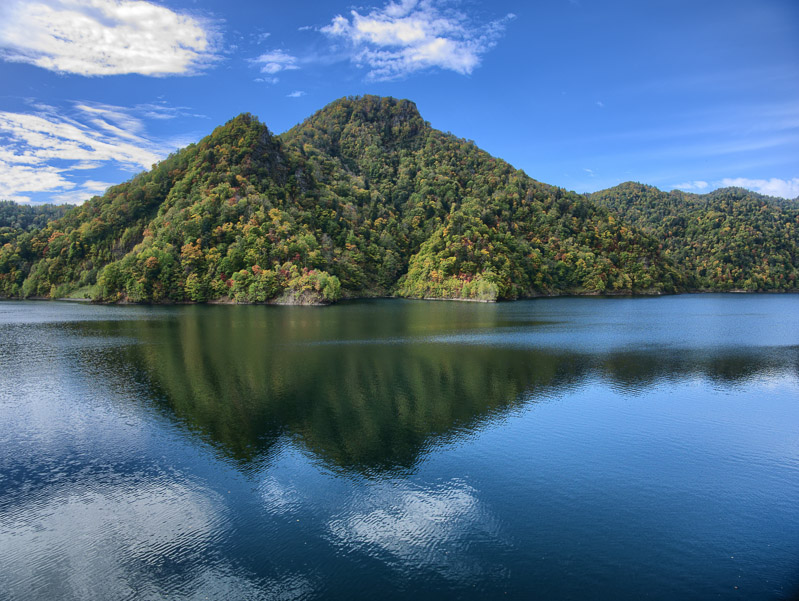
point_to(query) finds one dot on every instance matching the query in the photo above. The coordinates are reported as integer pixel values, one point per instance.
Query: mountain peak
(358, 121)
(372, 108)
(244, 125)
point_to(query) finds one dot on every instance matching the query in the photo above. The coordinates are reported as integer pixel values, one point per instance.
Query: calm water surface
(580, 448)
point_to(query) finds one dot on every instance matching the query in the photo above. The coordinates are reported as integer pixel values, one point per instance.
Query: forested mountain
(729, 239)
(15, 217)
(364, 198)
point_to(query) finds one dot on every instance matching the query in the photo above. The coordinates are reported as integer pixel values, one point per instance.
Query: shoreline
(278, 302)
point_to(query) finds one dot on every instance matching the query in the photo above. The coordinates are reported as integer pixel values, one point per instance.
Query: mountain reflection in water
(370, 392)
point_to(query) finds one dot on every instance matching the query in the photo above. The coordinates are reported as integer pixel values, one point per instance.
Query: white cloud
(783, 188)
(296, 94)
(414, 35)
(105, 37)
(276, 61)
(50, 152)
(18, 178)
(53, 136)
(695, 185)
(87, 190)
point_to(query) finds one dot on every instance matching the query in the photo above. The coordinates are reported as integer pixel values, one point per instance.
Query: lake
(566, 448)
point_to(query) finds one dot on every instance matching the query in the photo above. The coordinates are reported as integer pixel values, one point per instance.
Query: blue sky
(581, 94)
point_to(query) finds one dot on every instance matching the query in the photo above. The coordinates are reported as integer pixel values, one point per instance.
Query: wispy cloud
(767, 77)
(781, 188)
(296, 94)
(276, 61)
(53, 136)
(163, 111)
(82, 193)
(51, 151)
(414, 35)
(695, 185)
(105, 37)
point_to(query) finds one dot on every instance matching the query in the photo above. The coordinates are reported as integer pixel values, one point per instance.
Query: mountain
(363, 198)
(729, 239)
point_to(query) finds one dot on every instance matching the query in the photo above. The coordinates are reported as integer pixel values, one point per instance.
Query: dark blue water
(580, 448)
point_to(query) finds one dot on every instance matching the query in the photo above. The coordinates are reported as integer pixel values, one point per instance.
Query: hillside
(364, 198)
(15, 217)
(729, 239)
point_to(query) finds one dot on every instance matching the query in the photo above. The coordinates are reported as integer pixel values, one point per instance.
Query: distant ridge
(728, 239)
(364, 198)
